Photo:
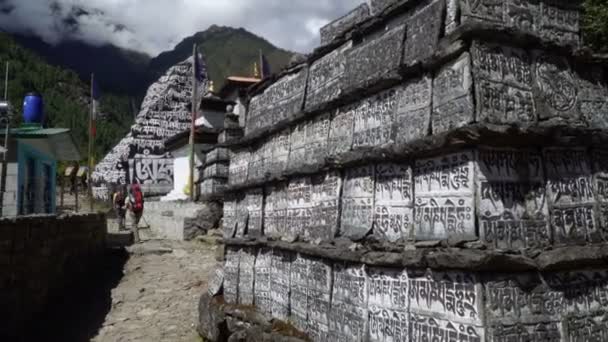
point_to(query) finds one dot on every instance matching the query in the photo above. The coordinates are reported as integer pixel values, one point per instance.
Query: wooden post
(62, 184)
(91, 142)
(193, 125)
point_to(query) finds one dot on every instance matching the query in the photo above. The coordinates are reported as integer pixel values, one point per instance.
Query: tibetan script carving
(217, 282)
(341, 25)
(358, 202)
(456, 296)
(423, 32)
(513, 212)
(600, 184)
(281, 101)
(280, 270)
(556, 89)
(325, 196)
(262, 290)
(413, 118)
(317, 134)
(373, 119)
(570, 196)
(239, 166)
(503, 84)
(453, 96)
(275, 211)
(297, 147)
(593, 95)
(388, 289)
(388, 325)
(444, 204)
(299, 207)
(246, 274)
(279, 152)
(230, 213)
(254, 201)
(324, 80)
(428, 328)
(298, 297)
(382, 56)
(341, 131)
(393, 203)
(231, 275)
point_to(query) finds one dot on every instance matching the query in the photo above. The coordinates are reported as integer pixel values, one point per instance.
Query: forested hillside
(66, 97)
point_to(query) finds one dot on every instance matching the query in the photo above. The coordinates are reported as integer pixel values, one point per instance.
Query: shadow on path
(77, 314)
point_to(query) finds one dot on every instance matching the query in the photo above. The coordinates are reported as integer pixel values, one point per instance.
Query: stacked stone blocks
(420, 133)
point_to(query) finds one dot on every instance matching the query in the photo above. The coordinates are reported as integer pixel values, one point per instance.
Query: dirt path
(157, 298)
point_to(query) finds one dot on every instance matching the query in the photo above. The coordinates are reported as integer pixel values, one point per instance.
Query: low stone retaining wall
(180, 220)
(39, 255)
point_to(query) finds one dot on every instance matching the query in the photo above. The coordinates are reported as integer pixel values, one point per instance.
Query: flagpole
(91, 138)
(193, 125)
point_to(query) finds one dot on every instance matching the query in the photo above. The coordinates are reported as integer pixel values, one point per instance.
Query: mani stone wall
(141, 156)
(436, 171)
(39, 255)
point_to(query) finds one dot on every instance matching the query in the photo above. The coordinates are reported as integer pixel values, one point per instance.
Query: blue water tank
(33, 111)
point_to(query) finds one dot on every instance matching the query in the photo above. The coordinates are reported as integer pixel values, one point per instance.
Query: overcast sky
(153, 26)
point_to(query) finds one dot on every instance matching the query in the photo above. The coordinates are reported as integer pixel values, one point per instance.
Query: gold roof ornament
(211, 86)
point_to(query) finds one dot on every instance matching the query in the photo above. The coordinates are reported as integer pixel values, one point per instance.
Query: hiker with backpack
(136, 206)
(118, 202)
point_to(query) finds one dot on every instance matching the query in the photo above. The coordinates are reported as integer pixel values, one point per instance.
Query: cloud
(153, 26)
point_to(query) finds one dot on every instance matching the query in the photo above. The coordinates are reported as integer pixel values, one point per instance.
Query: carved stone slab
(583, 291)
(217, 170)
(280, 101)
(325, 210)
(341, 25)
(513, 211)
(299, 293)
(280, 284)
(257, 161)
(231, 275)
(455, 296)
(373, 119)
(452, 17)
(239, 166)
(341, 131)
(213, 186)
(585, 328)
(503, 84)
(413, 118)
(297, 147)
(319, 293)
(453, 96)
(299, 207)
(324, 79)
(430, 328)
(262, 290)
(547, 19)
(555, 88)
(230, 213)
(255, 203)
(445, 192)
(217, 282)
(388, 325)
(549, 332)
(357, 202)
(275, 211)
(217, 155)
(593, 95)
(388, 289)
(347, 323)
(423, 32)
(394, 202)
(279, 148)
(377, 6)
(317, 134)
(350, 285)
(246, 276)
(348, 314)
(374, 60)
(599, 159)
(571, 196)
(242, 215)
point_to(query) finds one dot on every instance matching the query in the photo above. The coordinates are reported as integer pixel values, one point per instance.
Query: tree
(595, 24)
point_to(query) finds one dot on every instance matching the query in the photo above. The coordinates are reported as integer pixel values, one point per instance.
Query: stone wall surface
(440, 179)
(38, 256)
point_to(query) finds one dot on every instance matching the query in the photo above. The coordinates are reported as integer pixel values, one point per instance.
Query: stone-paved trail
(157, 298)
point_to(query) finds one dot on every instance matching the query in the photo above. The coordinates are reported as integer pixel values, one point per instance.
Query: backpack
(138, 200)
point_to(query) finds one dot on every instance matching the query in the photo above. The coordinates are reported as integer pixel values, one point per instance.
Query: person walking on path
(118, 201)
(136, 207)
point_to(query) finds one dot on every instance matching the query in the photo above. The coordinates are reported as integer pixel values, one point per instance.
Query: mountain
(66, 97)
(121, 71)
(228, 51)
